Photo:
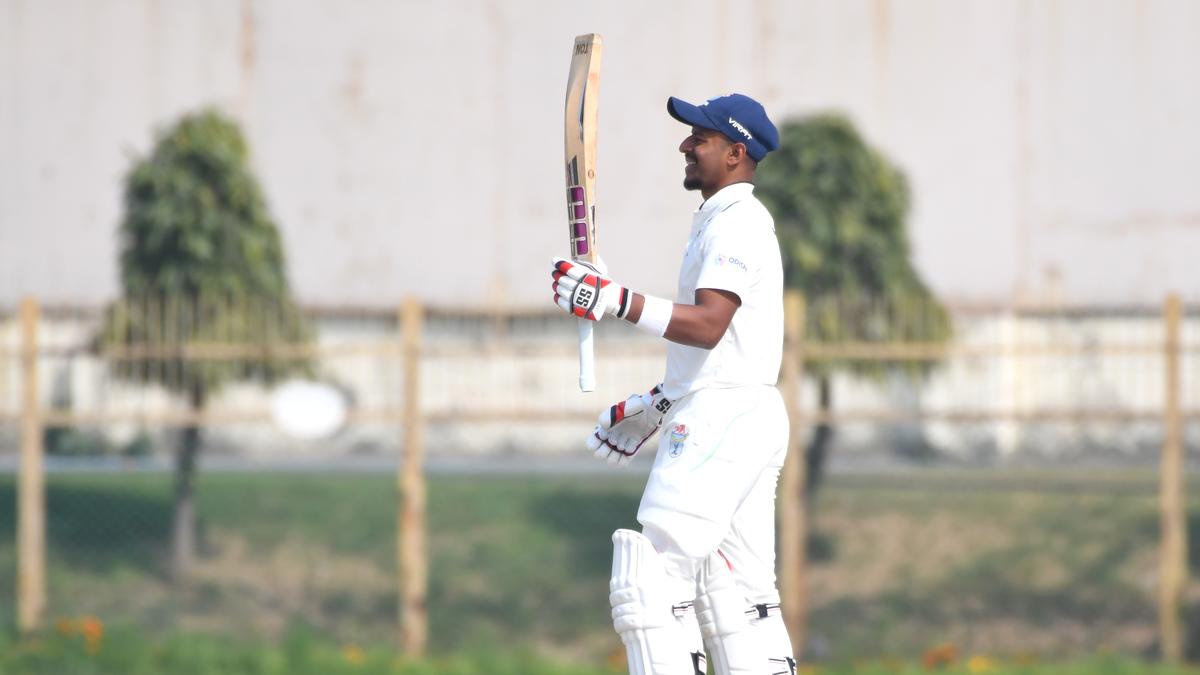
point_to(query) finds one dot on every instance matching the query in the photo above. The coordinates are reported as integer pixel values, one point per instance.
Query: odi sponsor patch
(722, 260)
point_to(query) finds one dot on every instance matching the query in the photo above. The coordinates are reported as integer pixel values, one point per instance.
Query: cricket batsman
(700, 576)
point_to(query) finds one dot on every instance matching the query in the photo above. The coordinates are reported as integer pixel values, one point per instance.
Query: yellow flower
(353, 654)
(980, 664)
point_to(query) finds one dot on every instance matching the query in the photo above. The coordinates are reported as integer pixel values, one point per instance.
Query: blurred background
(281, 389)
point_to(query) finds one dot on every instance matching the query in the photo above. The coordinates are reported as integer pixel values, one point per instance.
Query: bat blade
(580, 118)
(582, 105)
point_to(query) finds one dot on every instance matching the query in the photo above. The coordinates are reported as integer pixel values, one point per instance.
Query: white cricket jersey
(732, 248)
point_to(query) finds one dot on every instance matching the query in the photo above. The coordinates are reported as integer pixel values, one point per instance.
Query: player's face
(704, 153)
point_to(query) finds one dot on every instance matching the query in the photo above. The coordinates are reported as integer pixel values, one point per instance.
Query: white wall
(414, 147)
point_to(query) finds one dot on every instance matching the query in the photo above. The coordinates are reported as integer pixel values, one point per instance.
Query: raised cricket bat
(583, 100)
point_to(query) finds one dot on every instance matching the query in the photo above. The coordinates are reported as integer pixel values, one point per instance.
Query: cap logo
(736, 125)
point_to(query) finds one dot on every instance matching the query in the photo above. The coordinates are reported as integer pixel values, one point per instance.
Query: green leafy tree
(201, 264)
(840, 209)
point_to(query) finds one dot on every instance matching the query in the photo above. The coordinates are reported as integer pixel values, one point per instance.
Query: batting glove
(624, 427)
(583, 290)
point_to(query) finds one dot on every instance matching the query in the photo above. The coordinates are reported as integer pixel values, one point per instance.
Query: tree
(201, 262)
(840, 209)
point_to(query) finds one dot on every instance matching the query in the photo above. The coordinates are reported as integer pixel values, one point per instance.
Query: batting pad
(721, 611)
(655, 643)
(771, 634)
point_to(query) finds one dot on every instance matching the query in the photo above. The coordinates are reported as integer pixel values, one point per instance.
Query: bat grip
(587, 361)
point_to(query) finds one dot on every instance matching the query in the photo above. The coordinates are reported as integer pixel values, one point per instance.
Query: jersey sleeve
(730, 260)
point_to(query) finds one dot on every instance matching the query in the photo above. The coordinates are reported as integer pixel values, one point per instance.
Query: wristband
(656, 314)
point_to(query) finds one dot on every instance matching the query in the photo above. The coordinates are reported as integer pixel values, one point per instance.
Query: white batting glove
(584, 291)
(624, 427)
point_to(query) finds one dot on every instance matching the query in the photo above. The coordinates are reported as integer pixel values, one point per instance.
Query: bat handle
(587, 360)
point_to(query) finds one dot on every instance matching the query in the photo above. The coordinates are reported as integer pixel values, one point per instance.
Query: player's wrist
(653, 315)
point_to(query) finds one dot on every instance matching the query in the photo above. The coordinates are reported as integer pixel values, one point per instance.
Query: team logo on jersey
(679, 434)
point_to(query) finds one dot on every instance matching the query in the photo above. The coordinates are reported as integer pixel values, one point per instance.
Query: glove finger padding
(603, 448)
(596, 442)
(619, 459)
(563, 283)
(600, 447)
(564, 289)
(565, 303)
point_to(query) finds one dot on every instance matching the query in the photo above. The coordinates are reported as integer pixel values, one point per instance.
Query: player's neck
(732, 180)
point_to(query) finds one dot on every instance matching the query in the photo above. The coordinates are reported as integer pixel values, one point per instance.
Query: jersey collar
(724, 197)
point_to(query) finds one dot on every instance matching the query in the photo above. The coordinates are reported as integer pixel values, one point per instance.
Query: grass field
(127, 652)
(1003, 571)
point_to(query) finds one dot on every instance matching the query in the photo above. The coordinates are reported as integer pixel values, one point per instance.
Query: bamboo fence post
(1173, 545)
(31, 497)
(411, 541)
(793, 525)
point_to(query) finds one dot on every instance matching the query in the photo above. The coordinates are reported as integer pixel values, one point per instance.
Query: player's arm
(700, 325)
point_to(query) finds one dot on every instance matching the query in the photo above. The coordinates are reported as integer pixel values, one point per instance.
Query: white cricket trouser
(713, 486)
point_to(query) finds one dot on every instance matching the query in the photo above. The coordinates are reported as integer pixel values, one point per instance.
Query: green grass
(1003, 565)
(125, 651)
(1090, 666)
(1064, 566)
(511, 556)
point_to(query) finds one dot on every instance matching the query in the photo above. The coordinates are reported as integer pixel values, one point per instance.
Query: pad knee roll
(739, 640)
(721, 612)
(640, 595)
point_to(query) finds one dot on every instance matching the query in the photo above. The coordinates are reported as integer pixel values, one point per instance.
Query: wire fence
(456, 508)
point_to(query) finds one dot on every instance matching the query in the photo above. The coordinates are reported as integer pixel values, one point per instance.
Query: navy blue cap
(737, 116)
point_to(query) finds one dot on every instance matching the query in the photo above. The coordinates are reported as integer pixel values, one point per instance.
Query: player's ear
(736, 154)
